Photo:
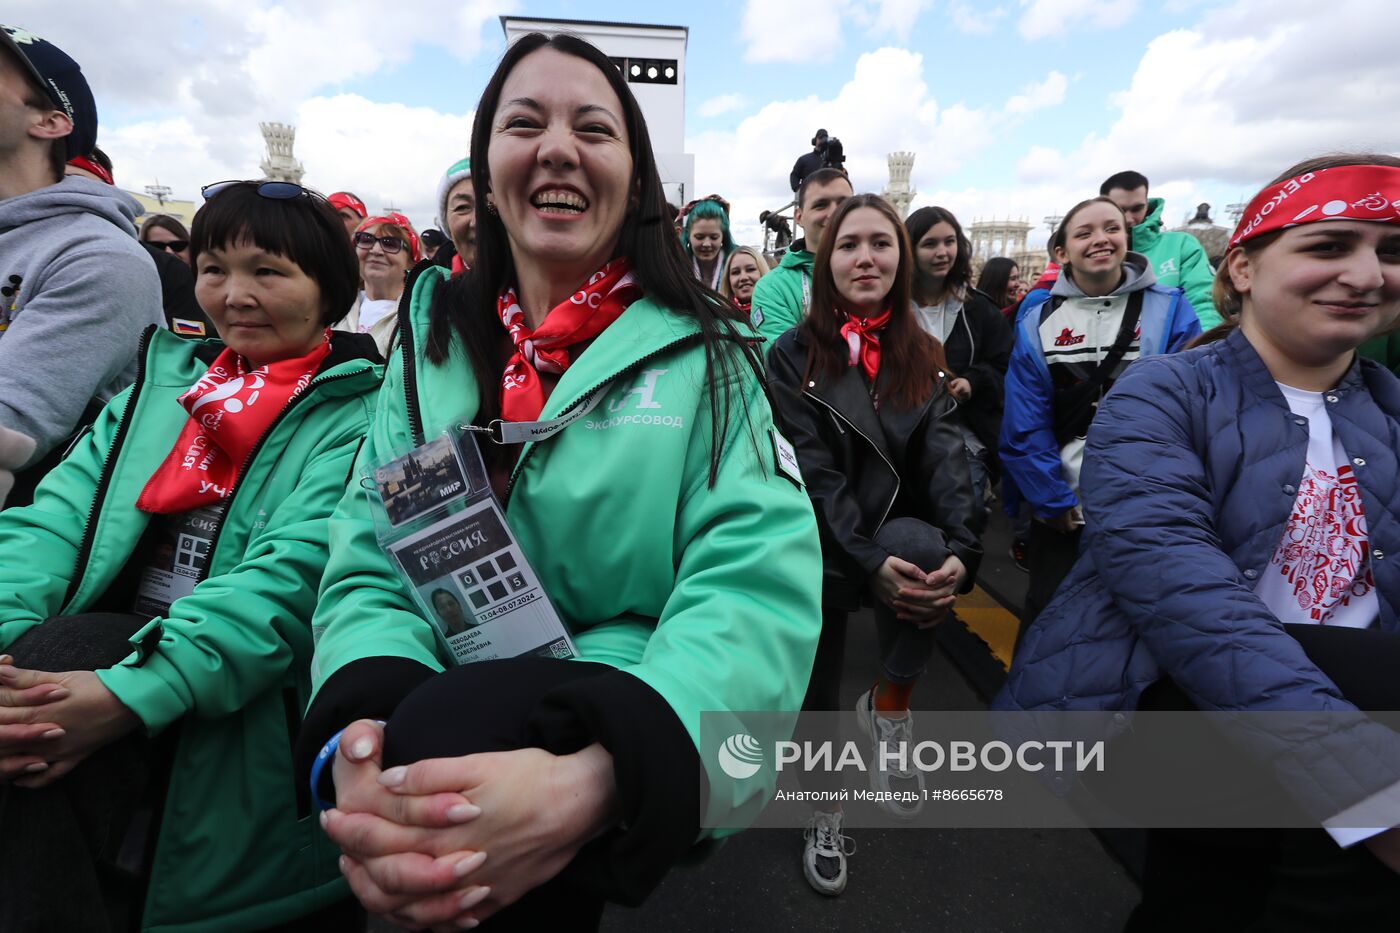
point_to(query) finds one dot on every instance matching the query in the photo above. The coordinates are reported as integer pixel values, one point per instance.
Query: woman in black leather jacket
(862, 390)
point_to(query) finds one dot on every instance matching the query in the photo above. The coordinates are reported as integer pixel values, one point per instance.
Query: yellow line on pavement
(990, 621)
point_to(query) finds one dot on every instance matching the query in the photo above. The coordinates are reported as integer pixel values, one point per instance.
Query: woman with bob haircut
(863, 391)
(1104, 311)
(707, 239)
(156, 633)
(682, 559)
(742, 270)
(1268, 523)
(976, 339)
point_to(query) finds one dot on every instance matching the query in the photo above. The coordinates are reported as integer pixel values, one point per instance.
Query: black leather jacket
(863, 467)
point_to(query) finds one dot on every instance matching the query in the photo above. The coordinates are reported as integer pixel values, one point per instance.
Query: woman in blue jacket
(1104, 311)
(1257, 477)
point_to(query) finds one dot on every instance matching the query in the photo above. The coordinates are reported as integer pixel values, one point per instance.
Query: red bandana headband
(1349, 192)
(398, 220)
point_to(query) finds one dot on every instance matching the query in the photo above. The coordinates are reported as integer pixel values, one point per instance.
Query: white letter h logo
(642, 390)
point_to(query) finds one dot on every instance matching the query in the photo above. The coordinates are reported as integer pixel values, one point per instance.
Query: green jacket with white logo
(778, 303)
(229, 664)
(1178, 260)
(709, 595)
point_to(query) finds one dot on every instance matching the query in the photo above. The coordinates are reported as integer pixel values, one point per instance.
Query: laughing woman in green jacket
(684, 561)
(155, 602)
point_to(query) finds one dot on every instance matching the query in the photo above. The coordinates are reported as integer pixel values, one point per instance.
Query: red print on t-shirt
(1325, 551)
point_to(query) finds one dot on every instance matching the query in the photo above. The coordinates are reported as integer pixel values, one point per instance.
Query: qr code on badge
(560, 649)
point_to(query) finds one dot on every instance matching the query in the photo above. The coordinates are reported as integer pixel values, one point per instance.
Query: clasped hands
(50, 722)
(446, 842)
(915, 596)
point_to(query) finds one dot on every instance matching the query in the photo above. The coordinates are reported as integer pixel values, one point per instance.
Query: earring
(491, 208)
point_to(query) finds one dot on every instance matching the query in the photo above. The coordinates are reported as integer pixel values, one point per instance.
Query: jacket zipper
(874, 446)
(105, 477)
(84, 552)
(629, 368)
(410, 361)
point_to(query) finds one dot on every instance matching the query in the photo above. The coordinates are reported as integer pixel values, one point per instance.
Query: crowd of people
(223, 706)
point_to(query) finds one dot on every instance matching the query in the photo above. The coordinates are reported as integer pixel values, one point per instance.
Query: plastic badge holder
(437, 519)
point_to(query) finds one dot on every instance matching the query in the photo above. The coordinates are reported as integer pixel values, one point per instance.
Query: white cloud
(1039, 95)
(201, 78)
(975, 21)
(798, 31)
(750, 164)
(1046, 18)
(897, 17)
(791, 31)
(1249, 90)
(385, 153)
(1040, 164)
(388, 154)
(724, 103)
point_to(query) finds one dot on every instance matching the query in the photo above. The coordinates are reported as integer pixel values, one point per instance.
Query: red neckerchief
(230, 407)
(582, 316)
(743, 306)
(863, 338)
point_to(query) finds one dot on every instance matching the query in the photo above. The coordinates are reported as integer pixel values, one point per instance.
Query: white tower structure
(652, 61)
(898, 192)
(279, 164)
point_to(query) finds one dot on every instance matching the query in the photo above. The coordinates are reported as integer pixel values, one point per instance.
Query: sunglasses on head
(175, 246)
(274, 190)
(364, 240)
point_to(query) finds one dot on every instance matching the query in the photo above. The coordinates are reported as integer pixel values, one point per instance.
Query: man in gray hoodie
(76, 289)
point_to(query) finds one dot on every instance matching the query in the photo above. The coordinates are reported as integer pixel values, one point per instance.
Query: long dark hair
(996, 275)
(924, 219)
(466, 304)
(911, 360)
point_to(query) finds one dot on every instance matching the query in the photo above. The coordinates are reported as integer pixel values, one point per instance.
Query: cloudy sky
(1014, 107)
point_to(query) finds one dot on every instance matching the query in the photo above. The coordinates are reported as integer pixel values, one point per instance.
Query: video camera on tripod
(832, 152)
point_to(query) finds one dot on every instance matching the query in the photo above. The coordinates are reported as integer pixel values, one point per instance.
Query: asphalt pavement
(968, 881)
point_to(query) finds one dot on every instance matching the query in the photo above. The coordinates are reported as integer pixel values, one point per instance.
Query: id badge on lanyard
(438, 520)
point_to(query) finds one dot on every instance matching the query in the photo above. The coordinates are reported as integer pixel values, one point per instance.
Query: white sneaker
(891, 783)
(824, 855)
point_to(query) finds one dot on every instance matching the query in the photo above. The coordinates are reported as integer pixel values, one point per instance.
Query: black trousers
(75, 856)
(1284, 880)
(487, 707)
(1050, 555)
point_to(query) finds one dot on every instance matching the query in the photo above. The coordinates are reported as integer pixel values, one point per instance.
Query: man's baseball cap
(61, 79)
(342, 199)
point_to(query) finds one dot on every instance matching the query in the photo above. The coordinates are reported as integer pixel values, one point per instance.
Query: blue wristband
(326, 754)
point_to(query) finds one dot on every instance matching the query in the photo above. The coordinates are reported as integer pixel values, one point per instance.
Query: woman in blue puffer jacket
(1241, 500)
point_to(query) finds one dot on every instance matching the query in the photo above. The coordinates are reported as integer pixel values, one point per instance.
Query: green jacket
(1178, 260)
(710, 596)
(779, 300)
(1384, 349)
(230, 662)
